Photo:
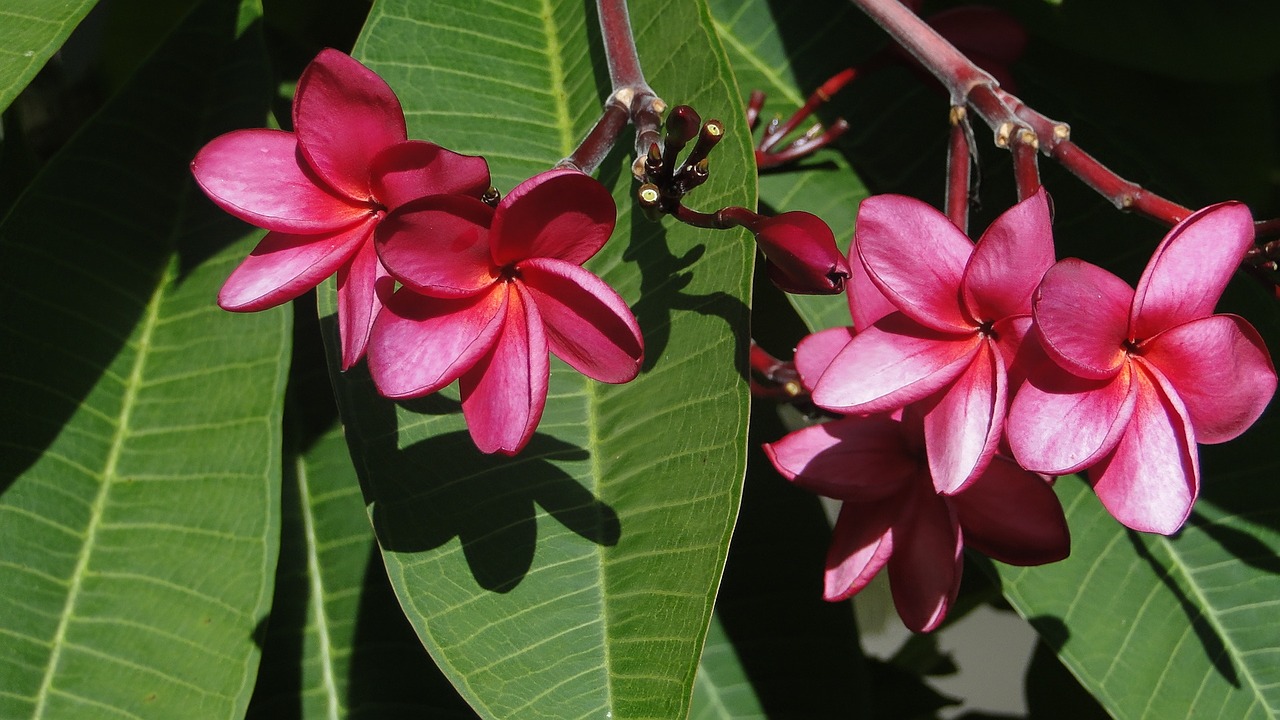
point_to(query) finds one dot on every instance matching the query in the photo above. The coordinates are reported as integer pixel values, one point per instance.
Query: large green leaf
(576, 579)
(140, 423)
(30, 32)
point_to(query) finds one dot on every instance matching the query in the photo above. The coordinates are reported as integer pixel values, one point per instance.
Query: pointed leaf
(30, 33)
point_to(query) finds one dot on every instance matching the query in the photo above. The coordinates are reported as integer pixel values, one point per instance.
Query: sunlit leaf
(31, 32)
(141, 424)
(576, 579)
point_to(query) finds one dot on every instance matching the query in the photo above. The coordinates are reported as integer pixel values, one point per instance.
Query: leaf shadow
(1212, 643)
(1247, 548)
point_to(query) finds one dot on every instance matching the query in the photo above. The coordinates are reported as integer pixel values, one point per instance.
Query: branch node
(1004, 133)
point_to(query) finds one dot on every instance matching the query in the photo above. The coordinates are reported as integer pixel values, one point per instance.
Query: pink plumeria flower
(487, 293)
(960, 313)
(322, 189)
(893, 516)
(1131, 380)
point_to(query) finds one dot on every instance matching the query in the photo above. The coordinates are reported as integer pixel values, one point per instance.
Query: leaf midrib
(333, 703)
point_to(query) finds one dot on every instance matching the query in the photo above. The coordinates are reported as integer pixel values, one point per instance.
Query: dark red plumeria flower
(488, 292)
(801, 253)
(322, 189)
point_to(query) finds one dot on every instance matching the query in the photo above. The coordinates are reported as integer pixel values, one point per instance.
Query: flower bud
(801, 254)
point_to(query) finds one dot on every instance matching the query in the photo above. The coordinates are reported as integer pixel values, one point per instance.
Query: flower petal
(1152, 478)
(258, 176)
(415, 169)
(866, 303)
(816, 352)
(588, 325)
(1191, 267)
(924, 571)
(963, 427)
(861, 544)
(916, 257)
(420, 344)
(1221, 371)
(891, 364)
(855, 459)
(358, 302)
(284, 266)
(345, 115)
(1011, 258)
(561, 214)
(1059, 423)
(1081, 314)
(504, 394)
(1013, 515)
(439, 246)
(801, 254)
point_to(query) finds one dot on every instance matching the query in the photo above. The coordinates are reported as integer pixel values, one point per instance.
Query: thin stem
(1026, 172)
(599, 141)
(620, 47)
(959, 165)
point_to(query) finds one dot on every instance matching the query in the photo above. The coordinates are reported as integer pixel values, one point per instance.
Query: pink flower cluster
(484, 293)
(973, 369)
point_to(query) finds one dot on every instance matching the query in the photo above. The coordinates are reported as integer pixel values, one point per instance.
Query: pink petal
(258, 176)
(420, 344)
(345, 115)
(1010, 260)
(856, 459)
(358, 303)
(1011, 334)
(924, 571)
(283, 266)
(560, 214)
(861, 544)
(1081, 313)
(1190, 268)
(891, 364)
(1059, 423)
(439, 246)
(963, 427)
(588, 325)
(1152, 478)
(867, 304)
(504, 394)
(414, 169)
(1013, 515)
(816, 352)
(916, 257)
(1220, 369)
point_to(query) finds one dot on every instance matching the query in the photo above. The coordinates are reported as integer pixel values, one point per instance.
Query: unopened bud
(801, 254)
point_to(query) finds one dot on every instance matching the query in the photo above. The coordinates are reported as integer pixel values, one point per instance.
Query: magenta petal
(439, 246)
(867, 305)
(1190, 268)
(1221, 371)
(861, 544)
(504, 394)
(1012, 335)
(963, 428)
(1059, 423)
(1082, 315)
(420, 344)
(815, 352)
(891, 364)
(916, 257)
(1013, 515)
(560, 214)
(1010, 260)
(415, 169)
(924, 571)
(588, 325)
(1152, 478)
(358, 302)
(256, 176)
(345, 115)
(853, 459)
(283, 266)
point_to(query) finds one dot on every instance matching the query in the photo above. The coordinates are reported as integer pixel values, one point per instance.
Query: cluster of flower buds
(971, 370)
(486, 288)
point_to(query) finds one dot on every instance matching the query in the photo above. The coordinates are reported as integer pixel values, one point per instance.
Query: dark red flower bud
(801, 254)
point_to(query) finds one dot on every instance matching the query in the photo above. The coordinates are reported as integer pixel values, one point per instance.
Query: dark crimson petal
(344, 115)
(924, 571)
(560, 214)
(415, 169)
(1013, 515)
(802, 254)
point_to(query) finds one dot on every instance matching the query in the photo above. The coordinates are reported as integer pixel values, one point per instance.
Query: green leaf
(723, 690)
(31, 32)
(824, 183)
(141, 424)
(576, 579)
